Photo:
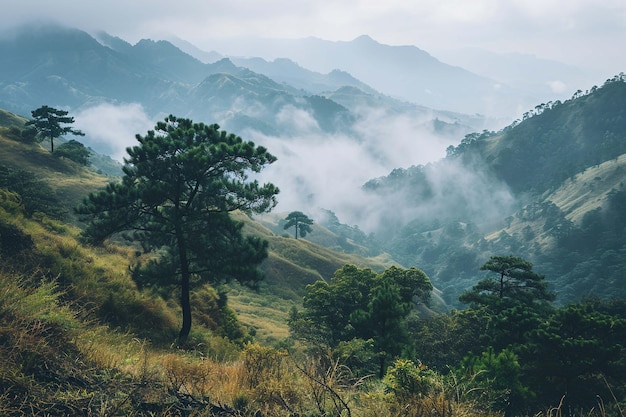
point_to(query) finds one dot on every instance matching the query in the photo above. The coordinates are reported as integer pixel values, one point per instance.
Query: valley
(449, 251)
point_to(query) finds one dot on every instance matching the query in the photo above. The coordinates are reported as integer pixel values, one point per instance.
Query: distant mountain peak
(113, 42)
(364, 39)
(224, 65)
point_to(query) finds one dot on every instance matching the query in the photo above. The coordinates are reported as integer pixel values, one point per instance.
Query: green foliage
(13, 240)
(262, 364)
(413, 283)
(180, 184)
(494, 380)
(578, 352)
(407, 380)
(512, 304)
(74, 151)
(48, 122)
(35, 194)
(360, 304)
(525, 356)
(589, 257)
(515, 283)
(358, 355)
(300, 222)
(27, 135)
(385, 322)
(443, 340)
(560, 139)
(34, 335)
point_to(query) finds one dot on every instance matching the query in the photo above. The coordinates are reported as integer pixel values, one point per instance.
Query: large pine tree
(180, 184)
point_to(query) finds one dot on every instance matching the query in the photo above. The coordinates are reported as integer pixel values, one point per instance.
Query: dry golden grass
(589, 189)
(577, 196)
(267, 314)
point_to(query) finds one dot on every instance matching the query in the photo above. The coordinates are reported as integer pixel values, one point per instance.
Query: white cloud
(319, 170)
(110, 128)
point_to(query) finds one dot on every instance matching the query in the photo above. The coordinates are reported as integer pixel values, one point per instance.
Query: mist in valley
(318, 171)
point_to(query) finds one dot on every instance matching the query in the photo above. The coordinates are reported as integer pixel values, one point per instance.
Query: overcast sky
(591, 32)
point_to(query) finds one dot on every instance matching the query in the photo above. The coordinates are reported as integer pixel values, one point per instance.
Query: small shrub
(13, 240)
(74, 151)
(262, 363)
(406, 380)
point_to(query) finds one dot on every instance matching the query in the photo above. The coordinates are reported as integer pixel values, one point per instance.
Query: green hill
(291, 265)
(558, 140)
(8, 120)
(535, 189)
(79, 338)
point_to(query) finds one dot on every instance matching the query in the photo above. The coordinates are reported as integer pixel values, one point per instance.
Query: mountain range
(70, 68)
(540, 187)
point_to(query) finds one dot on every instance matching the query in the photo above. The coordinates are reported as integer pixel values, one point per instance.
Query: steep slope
(8, 120)
(291, 265)
(547, 188)
(558, 140)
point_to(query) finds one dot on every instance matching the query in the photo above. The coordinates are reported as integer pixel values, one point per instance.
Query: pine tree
(48, 120)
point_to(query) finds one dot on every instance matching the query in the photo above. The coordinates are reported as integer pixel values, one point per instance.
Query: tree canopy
(300, 222)
(359, 304)
(75, 151)
(48, 122)
(180, 184)
(515, 282)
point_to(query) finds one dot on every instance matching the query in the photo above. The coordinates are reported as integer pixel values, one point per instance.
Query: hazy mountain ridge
(288, 72)
(71, 69)
(404, 72)
(539, 77)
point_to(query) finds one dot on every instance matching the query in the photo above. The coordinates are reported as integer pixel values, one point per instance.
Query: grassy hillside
(580, 194)
(78, 338)
(291, 265)
(8, 120)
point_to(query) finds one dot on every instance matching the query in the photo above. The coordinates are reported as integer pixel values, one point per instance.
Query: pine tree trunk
(185, 304)
(184, 289)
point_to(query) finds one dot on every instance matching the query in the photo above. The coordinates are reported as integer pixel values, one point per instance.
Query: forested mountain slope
(557, 140)
(547, 188)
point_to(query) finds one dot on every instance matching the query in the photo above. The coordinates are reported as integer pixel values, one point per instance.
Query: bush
(74, 151)
(36, 195)
(407, 380)
(13, 240)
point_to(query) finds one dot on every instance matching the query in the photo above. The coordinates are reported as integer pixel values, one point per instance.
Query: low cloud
(109, 129)
(317, 170)
(320, 170)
